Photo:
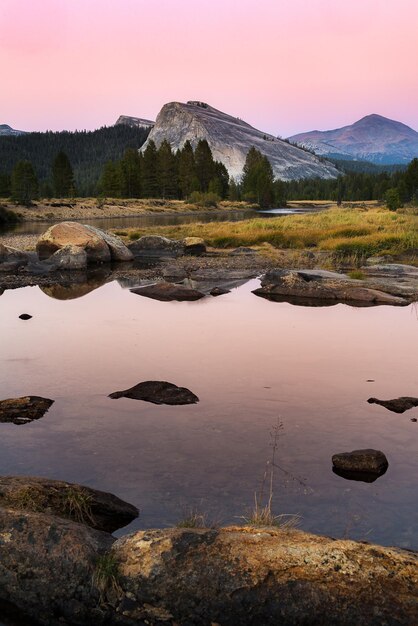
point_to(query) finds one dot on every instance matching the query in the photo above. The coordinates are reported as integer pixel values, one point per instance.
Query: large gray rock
(230, 139)
(69, 258)
(12, 259)
(95, 508)
(323, 285)
(156, 246)
(99, 246)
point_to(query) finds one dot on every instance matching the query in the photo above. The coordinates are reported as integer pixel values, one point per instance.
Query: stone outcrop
(194, 246)
(69, 258)
(100, 247)
(398, 405)
(23, 410)
(158, 392)
(230, 139)
(92, 507)
(167, 292)
(12, 259)
(326, 286)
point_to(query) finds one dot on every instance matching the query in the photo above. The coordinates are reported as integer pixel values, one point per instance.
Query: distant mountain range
(374, 138)
(230, 138)
(8, 131)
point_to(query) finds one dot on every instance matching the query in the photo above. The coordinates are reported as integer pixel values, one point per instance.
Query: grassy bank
(360, 230)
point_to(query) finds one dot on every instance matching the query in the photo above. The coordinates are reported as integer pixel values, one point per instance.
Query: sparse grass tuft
(106, 576)
(357, 274)
(192, 519)
(77, 505)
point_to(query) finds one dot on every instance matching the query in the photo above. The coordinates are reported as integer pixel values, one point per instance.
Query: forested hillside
(87, 151)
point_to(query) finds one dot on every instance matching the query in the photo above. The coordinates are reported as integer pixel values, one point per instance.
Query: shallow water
(250, 361)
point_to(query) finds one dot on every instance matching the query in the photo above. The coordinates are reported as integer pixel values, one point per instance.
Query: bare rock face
(100, 247)
(167, 292)
(230, 139)
(92, 507)
(134, 122)
(367, 461)
(266, 576)
(398, 405)
(158, 392)
(23, 410)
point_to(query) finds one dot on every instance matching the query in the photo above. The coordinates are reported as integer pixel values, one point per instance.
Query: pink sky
(285, 66)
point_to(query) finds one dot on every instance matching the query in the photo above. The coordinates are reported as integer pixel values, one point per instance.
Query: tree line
(87, 152)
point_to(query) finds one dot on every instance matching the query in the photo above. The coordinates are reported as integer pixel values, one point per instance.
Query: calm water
(250, 361)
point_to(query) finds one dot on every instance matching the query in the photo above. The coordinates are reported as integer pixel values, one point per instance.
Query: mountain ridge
(373, 138)
(8, 131)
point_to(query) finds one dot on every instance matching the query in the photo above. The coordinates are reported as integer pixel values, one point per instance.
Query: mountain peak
(230, 138)
(6, 130)
(372, 138)
(134, 122)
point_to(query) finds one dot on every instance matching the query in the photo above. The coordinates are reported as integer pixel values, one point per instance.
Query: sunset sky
(285, 66)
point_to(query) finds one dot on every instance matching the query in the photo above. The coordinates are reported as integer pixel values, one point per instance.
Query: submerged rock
(219, 291)
(158, 392)
(367, 461)
(95, 508)
(25, 316)
(399, 405)
(23, 410)
(166, 292)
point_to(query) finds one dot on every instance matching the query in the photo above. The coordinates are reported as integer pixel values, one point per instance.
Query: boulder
(156, 246)
(95, 508)
(368, 461)
(69, 257)
(118, 250)
(194, 246)
(323, 285)
(72, 233)
(12, 259)
(166, 292)
(399, 405)
(158, 392)
(23, 410)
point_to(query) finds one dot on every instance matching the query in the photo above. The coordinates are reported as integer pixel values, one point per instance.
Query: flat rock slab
(167, 292)
(23, 410)
(92, 507)
(368, 461)
(399, 405)
(158, 392)
(156, 246)
(219, 291)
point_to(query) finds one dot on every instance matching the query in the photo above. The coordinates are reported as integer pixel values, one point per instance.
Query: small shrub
(133, 236)
(206, 200)
(357, 275)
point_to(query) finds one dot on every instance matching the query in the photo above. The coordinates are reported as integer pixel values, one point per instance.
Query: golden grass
(362, 230)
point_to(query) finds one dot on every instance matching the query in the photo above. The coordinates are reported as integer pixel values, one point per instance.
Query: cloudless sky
(284, 66)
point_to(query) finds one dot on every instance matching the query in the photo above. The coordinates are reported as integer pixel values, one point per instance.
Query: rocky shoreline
(57, 569)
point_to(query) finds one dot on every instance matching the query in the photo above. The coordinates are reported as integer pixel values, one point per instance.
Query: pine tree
(130, 173)
(234, 191)
(63, 176)
(149, 171)
(167, 171)
(110, 181)
(222, 178)
(188, 181)
(258, 179)
(204, 164)
(24, 183)
(5, 187)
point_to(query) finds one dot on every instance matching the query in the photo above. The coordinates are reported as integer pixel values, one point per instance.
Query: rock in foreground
(99, 246)
(158, 392)
(399, 405)
(95, 508)
(368, 461)
(322, 285)
(167, 292)
(23, 410)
